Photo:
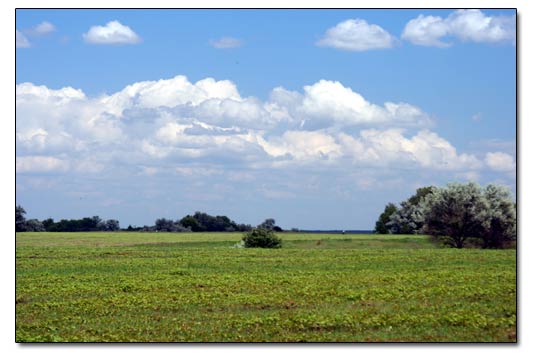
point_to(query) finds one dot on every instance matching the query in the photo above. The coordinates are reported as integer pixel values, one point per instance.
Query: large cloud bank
(174, 123)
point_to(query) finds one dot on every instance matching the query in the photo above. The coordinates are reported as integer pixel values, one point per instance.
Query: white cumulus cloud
(426, 31)
(112, 33)
(357, 35)
(303, 145)
(474, 26)
(390, 147)
(466, 25)
(330, 100)
(170, 93)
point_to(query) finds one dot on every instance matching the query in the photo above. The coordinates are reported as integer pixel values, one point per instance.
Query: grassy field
(167, 287)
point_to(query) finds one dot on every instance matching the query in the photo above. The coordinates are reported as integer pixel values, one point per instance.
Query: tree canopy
(381, 224)
(408, 219)
(456, 214)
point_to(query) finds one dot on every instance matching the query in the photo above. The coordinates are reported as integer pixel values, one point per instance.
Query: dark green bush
(261, 238)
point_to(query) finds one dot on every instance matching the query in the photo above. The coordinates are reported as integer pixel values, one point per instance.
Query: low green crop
(171, 288)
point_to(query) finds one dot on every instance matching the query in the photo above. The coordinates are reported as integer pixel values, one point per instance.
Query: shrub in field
(261, 238)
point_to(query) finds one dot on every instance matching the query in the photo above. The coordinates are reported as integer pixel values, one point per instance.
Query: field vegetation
(201, 287)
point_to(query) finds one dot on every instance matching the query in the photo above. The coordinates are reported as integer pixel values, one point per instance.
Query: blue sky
(317, 118)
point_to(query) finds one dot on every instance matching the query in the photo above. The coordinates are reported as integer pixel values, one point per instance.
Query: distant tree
(261, 238)
(203, 222)
(455, 213)
(34, 225)
(20, 220)
(148, 229)
(192, 223)
(381, 223)
(178, 227)
(112, 225)
(243, 227)
(86, 224)
(100, 225)
(48, 224)
(164, 225)
(268, 224)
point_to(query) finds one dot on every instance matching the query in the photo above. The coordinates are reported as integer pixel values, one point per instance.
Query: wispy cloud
(20, 40)
(41, 29)
(477, 117)
(226, 43)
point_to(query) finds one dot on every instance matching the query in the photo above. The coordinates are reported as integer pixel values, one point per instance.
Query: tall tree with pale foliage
(500, 217)
(459, 212)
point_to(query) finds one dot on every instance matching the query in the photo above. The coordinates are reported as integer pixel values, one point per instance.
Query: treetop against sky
(317, 118)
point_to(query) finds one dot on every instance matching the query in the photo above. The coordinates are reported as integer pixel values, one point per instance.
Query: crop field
(199, 287)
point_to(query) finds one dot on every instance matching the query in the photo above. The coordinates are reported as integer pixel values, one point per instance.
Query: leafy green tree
(381, 223)
(261, 238)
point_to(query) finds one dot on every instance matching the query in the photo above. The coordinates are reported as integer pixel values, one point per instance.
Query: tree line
(458, 215)
(86, 224)
(203, 222)
(198, 222)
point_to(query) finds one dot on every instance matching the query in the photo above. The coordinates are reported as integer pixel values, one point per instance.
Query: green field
(196, 287)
